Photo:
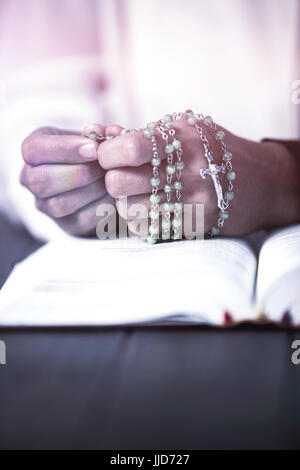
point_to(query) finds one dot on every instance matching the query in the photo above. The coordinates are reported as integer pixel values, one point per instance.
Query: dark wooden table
(144, 388)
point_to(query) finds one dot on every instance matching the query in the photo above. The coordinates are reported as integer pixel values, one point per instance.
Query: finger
(49, 130)
(130, 149)
(49, 180)
(113, 129)
(69, 202)
(128, 181)
(84, 221)
(40, 148)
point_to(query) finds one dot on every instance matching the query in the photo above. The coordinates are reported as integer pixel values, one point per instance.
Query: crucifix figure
(213, 171)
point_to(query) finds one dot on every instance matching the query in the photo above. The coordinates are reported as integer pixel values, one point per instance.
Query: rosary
(172, 209)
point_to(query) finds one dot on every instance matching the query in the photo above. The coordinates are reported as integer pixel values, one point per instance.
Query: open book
(127, 281)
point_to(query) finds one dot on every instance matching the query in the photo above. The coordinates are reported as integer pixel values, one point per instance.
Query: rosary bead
(155, 161)
(192, 120)
(178, 185)
(168, 125)
(169, 148)
(168, 206)
(168, 188)
(220, 135)
(175, 236)
(92, 135)
(229, 195)
(223, 214)
(154, 198)
(179, 166)
(208, 120)
(215, 230)
(154, 214)
(151, 240)
(154, 229)
(166, 235)
(152, 125)
(227, 156)
(124, 131)
(231, 175)
(178, 206)
(166, 224)
(170, 169)
(148, 133)
(155, 181)
(167, 118)
(176, 144)
(176, 223)
(109, 137)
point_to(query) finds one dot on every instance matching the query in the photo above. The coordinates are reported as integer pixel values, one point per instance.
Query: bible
(218, 282)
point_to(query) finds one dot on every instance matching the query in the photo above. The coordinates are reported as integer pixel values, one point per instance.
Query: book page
(278, 280)
(93, 282)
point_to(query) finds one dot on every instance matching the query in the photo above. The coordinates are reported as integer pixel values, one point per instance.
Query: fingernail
(88, 151)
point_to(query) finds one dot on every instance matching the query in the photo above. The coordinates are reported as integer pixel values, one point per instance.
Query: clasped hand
(70, 175)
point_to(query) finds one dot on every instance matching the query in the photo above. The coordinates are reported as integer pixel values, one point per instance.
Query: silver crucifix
(213, 171)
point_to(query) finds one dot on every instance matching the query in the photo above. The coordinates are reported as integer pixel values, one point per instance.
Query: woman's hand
(62, 171)
(266, 189)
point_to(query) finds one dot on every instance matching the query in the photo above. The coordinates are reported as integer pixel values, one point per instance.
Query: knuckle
(55, 207)
(28, 150)
(35, 182)
(79, 223)
(91, 171)
(22, 177)
(82, 223)
(69, 224)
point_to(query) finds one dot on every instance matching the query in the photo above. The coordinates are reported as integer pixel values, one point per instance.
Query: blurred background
(69, 63)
